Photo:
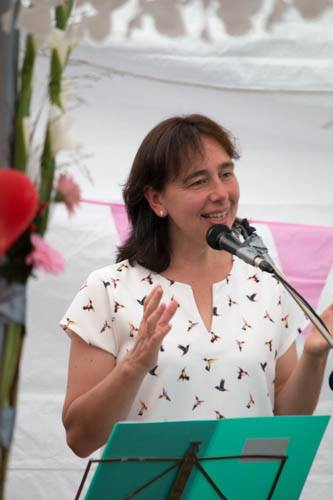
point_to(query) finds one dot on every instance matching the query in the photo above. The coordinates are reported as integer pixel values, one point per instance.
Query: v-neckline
(186, 286)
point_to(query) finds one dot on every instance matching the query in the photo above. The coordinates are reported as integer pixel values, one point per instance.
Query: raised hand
(153, 328)
(315, 344)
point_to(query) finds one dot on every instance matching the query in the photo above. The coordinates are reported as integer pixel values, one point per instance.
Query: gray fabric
(8, 88)
(12, 302)
(7, 420)
(12, 309)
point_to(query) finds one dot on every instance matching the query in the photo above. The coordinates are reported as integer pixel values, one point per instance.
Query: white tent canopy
(264, 70)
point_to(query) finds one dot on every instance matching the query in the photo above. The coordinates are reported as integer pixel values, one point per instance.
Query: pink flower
(43, 256)
(68, 191)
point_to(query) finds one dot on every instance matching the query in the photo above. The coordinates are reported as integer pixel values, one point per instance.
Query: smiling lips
(215, 215)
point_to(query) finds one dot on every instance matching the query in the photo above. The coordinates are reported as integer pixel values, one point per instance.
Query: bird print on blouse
(164, 395)
(184, 349)
(141, 301)
(251, 401)
(89, 306)
(254, 278)
(284, 320)
(215, 312)
(242, 373)
(208, 363)
(183, 375)
(191, 324)
(68, 323)
(231, 302)
(235, 372)
(240, 344)
(197, 403)
(269, 344)
(153, 371)
(115, 282)
(117, 306)
(269, 317)
(143, 408)
(105, 327)
(122, 266)
(134, 330)
(148, 279)
(221, 387)
(246, 325)
(252, 297)
(214, 337)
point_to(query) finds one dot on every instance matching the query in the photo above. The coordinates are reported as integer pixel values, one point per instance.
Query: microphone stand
(254, 247)
(305, 306)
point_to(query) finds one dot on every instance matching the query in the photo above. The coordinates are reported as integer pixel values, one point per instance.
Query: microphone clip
(253, 249)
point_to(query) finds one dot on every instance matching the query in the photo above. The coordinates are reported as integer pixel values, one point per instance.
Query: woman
(222, 341)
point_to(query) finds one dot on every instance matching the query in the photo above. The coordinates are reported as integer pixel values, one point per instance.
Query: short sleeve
(293, 322)
(90, 315)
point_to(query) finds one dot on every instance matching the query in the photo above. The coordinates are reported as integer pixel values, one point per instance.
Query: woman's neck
(205, 264)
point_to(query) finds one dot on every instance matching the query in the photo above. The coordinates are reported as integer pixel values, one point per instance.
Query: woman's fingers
(154, 327)
(152, 301)
(154, 318)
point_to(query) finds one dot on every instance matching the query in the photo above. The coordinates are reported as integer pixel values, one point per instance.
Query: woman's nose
(218, 192)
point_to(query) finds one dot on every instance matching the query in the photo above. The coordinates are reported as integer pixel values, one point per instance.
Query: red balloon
(18, 206)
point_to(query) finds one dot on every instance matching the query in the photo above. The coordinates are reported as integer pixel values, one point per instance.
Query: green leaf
(23, 104)
(10, 361)
(62, 13)
(55, 79)
(47, 177)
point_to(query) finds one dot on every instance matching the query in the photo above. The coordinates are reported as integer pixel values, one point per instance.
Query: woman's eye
(197, 183)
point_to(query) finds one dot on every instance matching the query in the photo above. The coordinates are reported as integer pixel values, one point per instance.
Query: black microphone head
(214, 233)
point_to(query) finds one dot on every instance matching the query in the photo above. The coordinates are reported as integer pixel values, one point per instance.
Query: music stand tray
(242, 458)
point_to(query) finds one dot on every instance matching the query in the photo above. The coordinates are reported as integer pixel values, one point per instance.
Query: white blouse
(228, 371)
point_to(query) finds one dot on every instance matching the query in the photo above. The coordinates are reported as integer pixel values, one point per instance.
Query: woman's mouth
(216, 217)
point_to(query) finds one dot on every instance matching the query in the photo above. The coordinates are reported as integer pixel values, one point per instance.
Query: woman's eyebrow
(203, 171)
(194, 174)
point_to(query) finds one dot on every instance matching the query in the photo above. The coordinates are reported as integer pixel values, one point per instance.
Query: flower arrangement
(21, 258)
(28, 194)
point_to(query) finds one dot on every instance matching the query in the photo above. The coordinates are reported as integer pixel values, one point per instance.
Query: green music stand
(256, 458)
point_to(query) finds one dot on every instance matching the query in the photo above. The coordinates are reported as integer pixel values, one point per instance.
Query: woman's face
(203, 194)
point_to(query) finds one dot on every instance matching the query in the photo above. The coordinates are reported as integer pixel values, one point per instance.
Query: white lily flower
(35, 20)
(26, 126)
(66, 91)
(74, 32)
(61, 136)
(57, 40)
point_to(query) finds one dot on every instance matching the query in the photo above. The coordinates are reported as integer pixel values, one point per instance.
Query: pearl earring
(161, 213)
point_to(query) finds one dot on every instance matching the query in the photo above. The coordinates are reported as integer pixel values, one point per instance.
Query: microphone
(252, 250)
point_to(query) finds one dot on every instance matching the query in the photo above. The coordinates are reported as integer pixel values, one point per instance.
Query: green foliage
(62, 13)
(23, 103)
(55, 79)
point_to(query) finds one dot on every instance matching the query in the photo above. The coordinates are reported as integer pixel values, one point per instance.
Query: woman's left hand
(315, 344)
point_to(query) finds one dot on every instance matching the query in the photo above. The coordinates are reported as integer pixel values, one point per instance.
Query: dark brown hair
(167, 147)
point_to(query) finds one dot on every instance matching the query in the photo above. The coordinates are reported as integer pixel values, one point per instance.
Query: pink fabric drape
(305, 252)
